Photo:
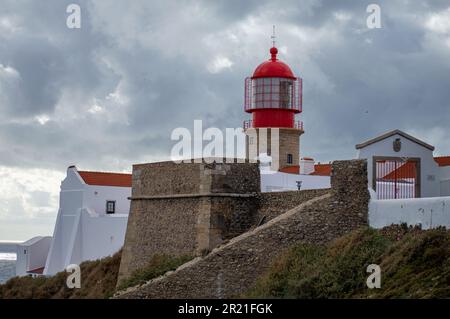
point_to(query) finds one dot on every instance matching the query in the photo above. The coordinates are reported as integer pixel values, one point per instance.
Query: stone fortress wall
(187, 209)
(223, 206)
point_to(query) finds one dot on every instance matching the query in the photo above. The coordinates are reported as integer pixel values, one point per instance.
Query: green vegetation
(158, 265)
(98, 280)
(414, 264)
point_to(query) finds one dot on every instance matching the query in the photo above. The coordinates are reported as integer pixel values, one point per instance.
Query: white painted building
(31, 255)
(312, 176)
(406, 182)
(279, 181)
(397, 161)
(91, 223)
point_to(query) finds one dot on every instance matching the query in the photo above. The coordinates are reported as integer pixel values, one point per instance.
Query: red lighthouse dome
(273, 95)
(273, 68)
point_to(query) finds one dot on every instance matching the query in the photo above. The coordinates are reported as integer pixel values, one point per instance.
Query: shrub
(413, 265)
(157, 266)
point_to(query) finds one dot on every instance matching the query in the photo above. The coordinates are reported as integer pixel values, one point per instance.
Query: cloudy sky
(109, 94)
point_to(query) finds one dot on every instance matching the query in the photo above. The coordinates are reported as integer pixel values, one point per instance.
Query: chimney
(306, 165)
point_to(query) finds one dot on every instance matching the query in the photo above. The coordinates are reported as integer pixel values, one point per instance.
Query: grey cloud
(358, 82)
(108, 95)
(37, 89)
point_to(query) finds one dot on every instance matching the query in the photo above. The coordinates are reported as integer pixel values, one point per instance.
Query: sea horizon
(8, 256)
(7, 266)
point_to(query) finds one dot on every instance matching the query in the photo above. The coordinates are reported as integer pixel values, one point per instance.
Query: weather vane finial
(273, 37)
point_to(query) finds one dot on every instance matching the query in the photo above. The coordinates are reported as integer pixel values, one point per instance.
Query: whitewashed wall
(83, 230)
(279, 181)
(95, 197)
(32, 254)
(445, 188)
(428, 212)
(97, 244)
(445, 180)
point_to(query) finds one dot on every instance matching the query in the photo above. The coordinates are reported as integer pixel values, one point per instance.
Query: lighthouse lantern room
(273, 95)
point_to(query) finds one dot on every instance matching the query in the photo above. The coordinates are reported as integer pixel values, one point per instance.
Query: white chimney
(306, 165)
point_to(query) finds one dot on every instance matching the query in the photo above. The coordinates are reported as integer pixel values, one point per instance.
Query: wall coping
(192, 196)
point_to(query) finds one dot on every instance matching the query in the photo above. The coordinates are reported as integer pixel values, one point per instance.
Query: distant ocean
(7, 266)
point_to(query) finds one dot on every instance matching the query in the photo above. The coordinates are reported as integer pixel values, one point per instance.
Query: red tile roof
(322, 170)
(407, 170)
(106, 179)
(290, 169)
(39, 271)
(443, 160)
(319, 170)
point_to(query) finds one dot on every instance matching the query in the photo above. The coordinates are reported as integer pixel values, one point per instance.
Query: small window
(289, 159)
(110, 207)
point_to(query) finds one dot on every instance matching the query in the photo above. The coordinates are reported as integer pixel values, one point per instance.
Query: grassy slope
(98, 280)
(157, 266)
(414, 264)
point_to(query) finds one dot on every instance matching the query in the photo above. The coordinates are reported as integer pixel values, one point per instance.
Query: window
(272, 93)
(110, 207)
(285, 94)
(289, 159)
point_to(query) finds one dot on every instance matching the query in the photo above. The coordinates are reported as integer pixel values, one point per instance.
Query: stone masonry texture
(187, 209)
(273, 204)
(233, 267)
(288, 143)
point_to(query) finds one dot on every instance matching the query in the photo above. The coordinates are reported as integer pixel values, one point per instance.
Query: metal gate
(396, 178)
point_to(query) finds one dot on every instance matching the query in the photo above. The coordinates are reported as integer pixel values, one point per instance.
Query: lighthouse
(273, 97)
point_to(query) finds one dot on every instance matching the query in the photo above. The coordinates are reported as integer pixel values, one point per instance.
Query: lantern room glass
(272, 93)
